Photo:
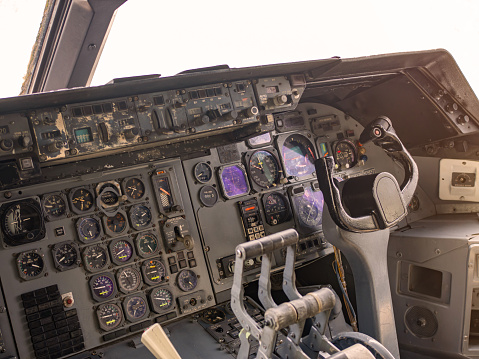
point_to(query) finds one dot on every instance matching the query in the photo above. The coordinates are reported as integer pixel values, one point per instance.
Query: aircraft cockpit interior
(318, 209)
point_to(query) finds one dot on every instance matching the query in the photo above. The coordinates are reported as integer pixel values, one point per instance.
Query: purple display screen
(234, 181)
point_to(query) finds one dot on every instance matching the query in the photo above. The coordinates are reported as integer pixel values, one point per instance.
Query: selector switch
(451, 107)
(6, 145)
(213, 115)
(280, 100)
(203, 120)
(54, 147)
(25, 141)
(250, 112)
(131, 133)
(230, 116)
(463, 119)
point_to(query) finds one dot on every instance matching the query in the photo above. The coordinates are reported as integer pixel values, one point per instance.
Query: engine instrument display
(345, 154)
(121, 251)
(22, 222)
(54, 205)
(136, 307)
(81, 200)
(203, 172)
(147, 244)
(276, 208)
(298, 156)
(154, 271)
(66, 255)
(161, 299)
(233, 181)
(140, 216)
(213, 316)
(208, 196)
(134, 188)
(110, 316)
(264, 169)
(116, 224)
(88, 229)
(309, 209)
(102, 287)
(187, 280)
(165, 193)
(95, 258)
(30, 264)
(129, 279)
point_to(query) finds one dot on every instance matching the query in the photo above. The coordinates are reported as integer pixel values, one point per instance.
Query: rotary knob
(230, 116)
(463, 119)
(54, 147)
(25, 141)
(280, 100)
(6, 144)
(131, 133)
(250, 112)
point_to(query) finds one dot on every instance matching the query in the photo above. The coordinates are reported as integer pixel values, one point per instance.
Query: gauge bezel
(112, 233)
(145, 277)
(49, 217)
(124, 187)
(177, 202)
(123, 289)
(132, 222)
(78, 225)
(125, 307)
(60, 266)
(303, 228)
(72, 205)
(138, 248)
(23, 275)
(203, 318)
(354, 148)
(203, 202)
(104, 327)
(250, 145)
(256, 186)
(196, 176)
(222, 185)
(156, 308)
(288, 207)
(113, 257)
(181, 286)
(97, 297)
(85, 263)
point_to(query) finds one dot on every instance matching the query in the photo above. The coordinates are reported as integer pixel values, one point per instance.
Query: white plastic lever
(158, 343)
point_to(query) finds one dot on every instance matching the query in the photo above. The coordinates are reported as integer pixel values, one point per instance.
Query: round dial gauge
(233, 181)
(264, 169)
(129, 279)
(154, 271)
(102, 287)
(203, 172)
(161, 299)
(298, 156)
(66, 255)
(109, 198)
(134, 188)
(117, 223)
(187, 280)
(88, 229)
(140, 216)
(109, 316)
(208, 196)
(82, 200)
(22, 222)
(214, 316)
(147, 244)
(54, 205)
(345, 154)
(95, 258)
(276, 208)
(310, 208)
(30, 264)
(121, 251)
(136, 308)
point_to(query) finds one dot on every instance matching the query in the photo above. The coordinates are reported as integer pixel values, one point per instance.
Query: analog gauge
(214, 316)
(102, 287)
(129, 279)
(203, 172)
(121, 251)
(147, 244)
(264, 169)
(134, 188)
(54, 206)
(276, 208)
(30, 264)
(66, 255)
(298, 156)
(140, 216)
(82, 200)
(22, 222)
(187, 280)
(161, 299)
(95, 258)
(136, 308)
(345, 154)
(109, 316)
(116, 224)
(233, 181)
(88, 229)
(154, 271)
(109, 198)
(208, 196)
(164, 193)
(309, 209)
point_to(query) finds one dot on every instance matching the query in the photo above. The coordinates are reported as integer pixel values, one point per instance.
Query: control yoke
(375, 201)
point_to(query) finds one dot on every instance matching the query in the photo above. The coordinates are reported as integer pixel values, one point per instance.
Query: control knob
(462, 119)
(131, 133)
(230, 116)
(25, 141)
(202, 120)
(280, 100)
(250, 112)
(451, 107)
(54, 147)
(6, 144)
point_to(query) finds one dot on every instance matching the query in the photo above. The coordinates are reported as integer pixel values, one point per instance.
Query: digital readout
(83, 135)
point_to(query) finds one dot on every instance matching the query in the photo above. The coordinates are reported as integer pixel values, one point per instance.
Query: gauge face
(66, 255)
(95, 258)
(164, 192)
(147, 244)
(203, 172)
(345, 154)
(134, 188)
(136, 308)
(187, 280)
(276, 208)
(54, 205)
(208, 196)
(102, 287)
(310, 208)
(298, 156)
(88, 229)
(154, 271)
(117, 223)
(22, 222)
(82, 200)
(129, 279)
(109, 198)
(214, 316)
(109, 316)
(161, 299)
(233, 181)
(121, 251)
(264, 169)
(30, 264)
(140, 216)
